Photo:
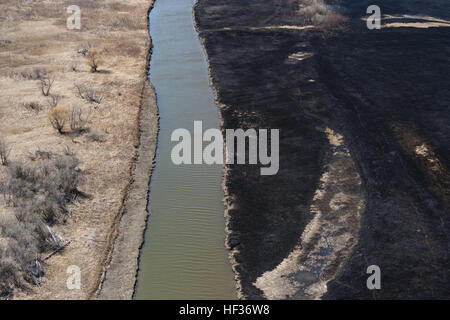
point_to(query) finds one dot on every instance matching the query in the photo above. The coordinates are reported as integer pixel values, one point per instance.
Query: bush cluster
(39, 195)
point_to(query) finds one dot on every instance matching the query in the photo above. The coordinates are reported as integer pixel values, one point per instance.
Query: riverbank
(120, 270)
(115, 157)
(354, 188)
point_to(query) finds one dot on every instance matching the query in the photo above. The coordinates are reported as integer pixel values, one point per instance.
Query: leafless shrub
(33, 106)
(4, 42)
(35, 272)
(95, 135)
(83, 51)
(41, 155)
(38, 73)
(39, 195)
(44, 189)
(85, 48)
(27, 75)
(19, 258)
(89, 93)
(53, 100)
(15, 74)
(46, 83)
(79, 119)
(68, 151)
(4, 152)
(9, 275)
(34, 74)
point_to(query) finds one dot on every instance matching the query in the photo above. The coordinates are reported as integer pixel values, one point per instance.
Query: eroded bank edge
(121, 261)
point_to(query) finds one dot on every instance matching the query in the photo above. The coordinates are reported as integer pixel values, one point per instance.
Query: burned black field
(386, 92)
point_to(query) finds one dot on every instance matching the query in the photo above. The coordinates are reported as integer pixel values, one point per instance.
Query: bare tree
(4, 152)
(46, 84)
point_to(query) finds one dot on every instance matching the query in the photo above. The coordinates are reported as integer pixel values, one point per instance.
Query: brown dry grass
(39, 38)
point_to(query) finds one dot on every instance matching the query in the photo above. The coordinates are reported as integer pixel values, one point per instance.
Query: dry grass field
(36, 44)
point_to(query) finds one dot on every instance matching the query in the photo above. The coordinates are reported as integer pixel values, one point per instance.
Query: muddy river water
(183, 256)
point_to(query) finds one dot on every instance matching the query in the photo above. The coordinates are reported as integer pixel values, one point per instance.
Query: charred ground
(386, 91)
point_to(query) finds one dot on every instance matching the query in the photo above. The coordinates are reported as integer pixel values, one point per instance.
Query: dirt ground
(34, 35)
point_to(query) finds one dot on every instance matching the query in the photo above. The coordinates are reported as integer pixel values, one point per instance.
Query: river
(184, 256)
